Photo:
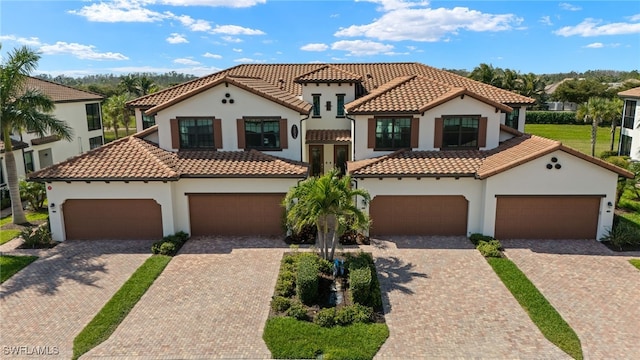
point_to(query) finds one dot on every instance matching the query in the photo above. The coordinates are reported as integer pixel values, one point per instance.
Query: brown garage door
(547, 217)
(236, 214)
(419, 215)
(112, 219)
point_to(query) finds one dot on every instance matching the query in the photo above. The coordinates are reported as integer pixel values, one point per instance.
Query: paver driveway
(443, 300)
(595, 290)
(211, 301)
(49, 302)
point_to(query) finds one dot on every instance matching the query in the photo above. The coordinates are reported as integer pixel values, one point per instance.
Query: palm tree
(116, 109)
(487, 74)
(129, 84)
(146, 86)
(328, 202)
(594, 110)
(24, 109)
(614, 112)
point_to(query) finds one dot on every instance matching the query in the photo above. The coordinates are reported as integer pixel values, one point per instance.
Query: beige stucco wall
(328, 118)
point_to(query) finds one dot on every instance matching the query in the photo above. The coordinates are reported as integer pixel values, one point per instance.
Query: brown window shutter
(175, 134)
(371, 133)
(482, 132)
(284, 139)
(437, 133)
(217, 133)
(415, 132)
(241, 141)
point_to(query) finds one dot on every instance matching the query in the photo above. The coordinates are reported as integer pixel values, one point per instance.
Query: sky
(199, 37)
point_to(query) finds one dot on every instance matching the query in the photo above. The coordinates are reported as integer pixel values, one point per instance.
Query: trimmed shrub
(490, 248)
(170, 244)
(307, 281)
(286, 285)
(297, 311)
(280, 304)
(325, 266)
(608, 153)
(360, 284)
(168, 248)
(619, 161)
(326, 317)
(355, 313)
(476, 238)
(370, 296)
(552, 117)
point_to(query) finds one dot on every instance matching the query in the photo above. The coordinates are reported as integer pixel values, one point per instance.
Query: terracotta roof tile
(514, 152)
(60, 93)
(328, 73)
(328, 136)
(15, 145)
(634, 93)
(251, 163)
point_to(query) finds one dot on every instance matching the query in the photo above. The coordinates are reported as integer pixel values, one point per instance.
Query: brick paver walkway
(49, 302)
(212, 301)
(595, 290)
(442, 300)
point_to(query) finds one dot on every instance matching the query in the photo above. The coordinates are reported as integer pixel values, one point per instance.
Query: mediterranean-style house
(439, 153)
(79, 109)
(630, 126)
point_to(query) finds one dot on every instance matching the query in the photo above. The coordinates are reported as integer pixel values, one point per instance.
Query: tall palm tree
(146, 86)
(329, 203)
(129, 84)
(116, 109)
(614, 112)
(594, 110)
(24, 109)
(487, 74)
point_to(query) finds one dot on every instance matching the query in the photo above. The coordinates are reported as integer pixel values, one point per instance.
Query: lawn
(635, 262)
(10, 264)
(114, 311)
(575, 136)
(7, 235)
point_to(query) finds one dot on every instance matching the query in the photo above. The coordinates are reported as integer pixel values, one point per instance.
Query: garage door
(236, 214)
(547, 217)
(418, 215)
(112, 219)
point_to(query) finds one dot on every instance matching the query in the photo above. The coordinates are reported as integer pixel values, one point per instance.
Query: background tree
(613, 114)
(328, 203)
(116, 110)
(579, 91)
(24, 109)
(594, 111)
(487, 74)
(146, 86)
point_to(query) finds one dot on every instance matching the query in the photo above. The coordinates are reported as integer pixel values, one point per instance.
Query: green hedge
(307, 281)
(555, 117)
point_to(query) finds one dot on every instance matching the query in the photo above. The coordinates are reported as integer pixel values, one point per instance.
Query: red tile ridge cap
(381, 90)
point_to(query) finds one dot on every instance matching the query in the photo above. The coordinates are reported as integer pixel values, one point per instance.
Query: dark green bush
(326, 317)
(360, 285)
(297, 311)
(37, 238)
(476, 238)
(552, 117)
(307, 281)
(168, 248)
(490, 248)
(280, 303)
(170, 244)
(286, 285)
(623, 233)
(364, 260)
(326, 266)
(608, 153)
(355, 313)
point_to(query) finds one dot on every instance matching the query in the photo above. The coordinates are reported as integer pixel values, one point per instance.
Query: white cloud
(193, 24)
(237, 50)
(214, 3)
(195, 70)
(596, 45)
(249, 61)
(176, 38)
(388, 5)
(569, 7)
(212, 56)
(592, 27)
(235, 30)
(361, 47)
(430, 25)
(546, 20)
(32, 41)
(119, 11)
(85, 52)
(186, 61)
(635, 17)
(231, 39)
(315, 47)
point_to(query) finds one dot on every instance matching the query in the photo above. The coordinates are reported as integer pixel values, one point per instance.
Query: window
(196, 133)
(93, 116)
(460, 131)
(148, 121)
(625, 145)
(28, 161)
(95, 142)
(393, 133)
(262, 134)
(316, 104)
(629, 114)
(340, 105)
(512, 118)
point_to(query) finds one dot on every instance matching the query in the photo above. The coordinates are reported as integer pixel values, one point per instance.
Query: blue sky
(199, 37)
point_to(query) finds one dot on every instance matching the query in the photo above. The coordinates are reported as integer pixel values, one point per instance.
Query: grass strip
(11, 264)
(288, 338)
(116, 309)
(8, 235)
(31, 216)
(545, 316)
(635, 262)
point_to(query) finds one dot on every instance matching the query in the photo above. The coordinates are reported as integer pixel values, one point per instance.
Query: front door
(45, 157)
(340, 157)
(316, 159)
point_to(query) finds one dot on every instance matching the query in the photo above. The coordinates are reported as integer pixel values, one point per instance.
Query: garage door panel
(236, 214)
(94, 219)
(547, 217)
(419, 215)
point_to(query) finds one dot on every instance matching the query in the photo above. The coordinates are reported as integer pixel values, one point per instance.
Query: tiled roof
(634, 92)
(373, 75)
(60, 93)
(328, 136)
(481, 164)
(15, 145)
(45, 140)
(251, 163)
(328, 73)
(254, 85)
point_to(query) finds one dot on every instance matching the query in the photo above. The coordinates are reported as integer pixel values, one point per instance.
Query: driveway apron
(443, 300)
(45, 305)
(212, 301)
(595, 290)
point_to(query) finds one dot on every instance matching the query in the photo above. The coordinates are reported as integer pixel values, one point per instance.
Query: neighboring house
(630, 129)
(559, 105)
(216, 155)
(79, 109)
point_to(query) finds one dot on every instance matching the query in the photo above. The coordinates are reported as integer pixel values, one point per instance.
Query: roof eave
(101, 179)
(241, 176)
(384, 176)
